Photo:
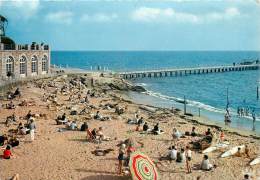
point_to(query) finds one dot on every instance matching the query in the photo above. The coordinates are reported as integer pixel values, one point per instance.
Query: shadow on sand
(106, 177)
(102, 175)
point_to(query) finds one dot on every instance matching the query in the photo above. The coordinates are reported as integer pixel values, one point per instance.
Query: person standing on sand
(254, 119)
(32, 128)
(222, 136)
(121, 153)
(92, 82)
(188, 158)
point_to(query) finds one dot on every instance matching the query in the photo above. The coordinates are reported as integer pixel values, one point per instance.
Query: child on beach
(7, 153)
(188, 158)
(32, 128)
(222, 136)
(120, 157)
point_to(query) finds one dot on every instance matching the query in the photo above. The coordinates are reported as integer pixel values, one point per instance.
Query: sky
(135, 25)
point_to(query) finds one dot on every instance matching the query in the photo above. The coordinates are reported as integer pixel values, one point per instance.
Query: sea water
(206, 94)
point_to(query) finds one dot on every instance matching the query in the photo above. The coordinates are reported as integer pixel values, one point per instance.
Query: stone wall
(17, 54)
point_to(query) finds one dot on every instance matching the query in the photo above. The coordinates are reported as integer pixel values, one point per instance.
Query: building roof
(2, 18)
(9, 44)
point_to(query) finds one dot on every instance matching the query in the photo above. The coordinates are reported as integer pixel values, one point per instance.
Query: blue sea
(206, 94)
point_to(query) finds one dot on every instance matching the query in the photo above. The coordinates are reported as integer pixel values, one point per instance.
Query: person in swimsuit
(121, 153)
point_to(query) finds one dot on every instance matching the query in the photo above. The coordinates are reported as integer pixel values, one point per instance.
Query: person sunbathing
(176, 134)
(14, 142)
(193, 132)
(134, 120)
(22, 130)
(84, 126)
(205, 165)
(94, 133)
(140, 121)
(10, 105)
(156, 130)
(28, 115)
(100, 135)
(17, 93)
(208, 132)
(181, 156)
(238, 153)
(23, 103)
(67, 124)
(62, 119)
(86, 100)
(98, 116)
(13, 117)
(73, 126)
(247, 151)
(145, 127)
(3, 140)
(173, 153)
(10, 119)
(119, 110)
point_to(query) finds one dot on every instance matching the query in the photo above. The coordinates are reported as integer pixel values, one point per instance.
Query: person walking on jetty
(32, 127)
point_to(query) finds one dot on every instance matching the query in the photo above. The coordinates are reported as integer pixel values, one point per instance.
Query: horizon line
(121, 50)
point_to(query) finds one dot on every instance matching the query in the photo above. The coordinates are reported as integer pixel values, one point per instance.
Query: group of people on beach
(124, 153)
(12, 139)
(243, 111)
(180, 151)
(184, 155)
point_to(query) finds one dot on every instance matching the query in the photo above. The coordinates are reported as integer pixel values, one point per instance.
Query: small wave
(196, 104)
(141, 84)
(189, 102)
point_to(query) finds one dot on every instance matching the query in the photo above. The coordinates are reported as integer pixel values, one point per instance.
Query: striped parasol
(141, 167)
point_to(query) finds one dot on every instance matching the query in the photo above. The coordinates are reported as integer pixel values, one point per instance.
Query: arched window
(44, 63)
(23, 65)
(34, 64)
(9, 65)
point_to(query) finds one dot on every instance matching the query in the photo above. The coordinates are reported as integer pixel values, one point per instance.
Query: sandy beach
(60, 154)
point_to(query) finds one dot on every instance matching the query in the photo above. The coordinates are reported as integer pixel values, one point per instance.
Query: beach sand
(66, 155)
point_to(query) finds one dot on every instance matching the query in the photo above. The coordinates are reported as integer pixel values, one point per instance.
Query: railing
(33, 47)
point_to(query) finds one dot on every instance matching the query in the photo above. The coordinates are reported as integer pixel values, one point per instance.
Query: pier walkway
(187, 71)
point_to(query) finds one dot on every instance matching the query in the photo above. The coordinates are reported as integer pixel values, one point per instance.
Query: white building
(19, 61)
